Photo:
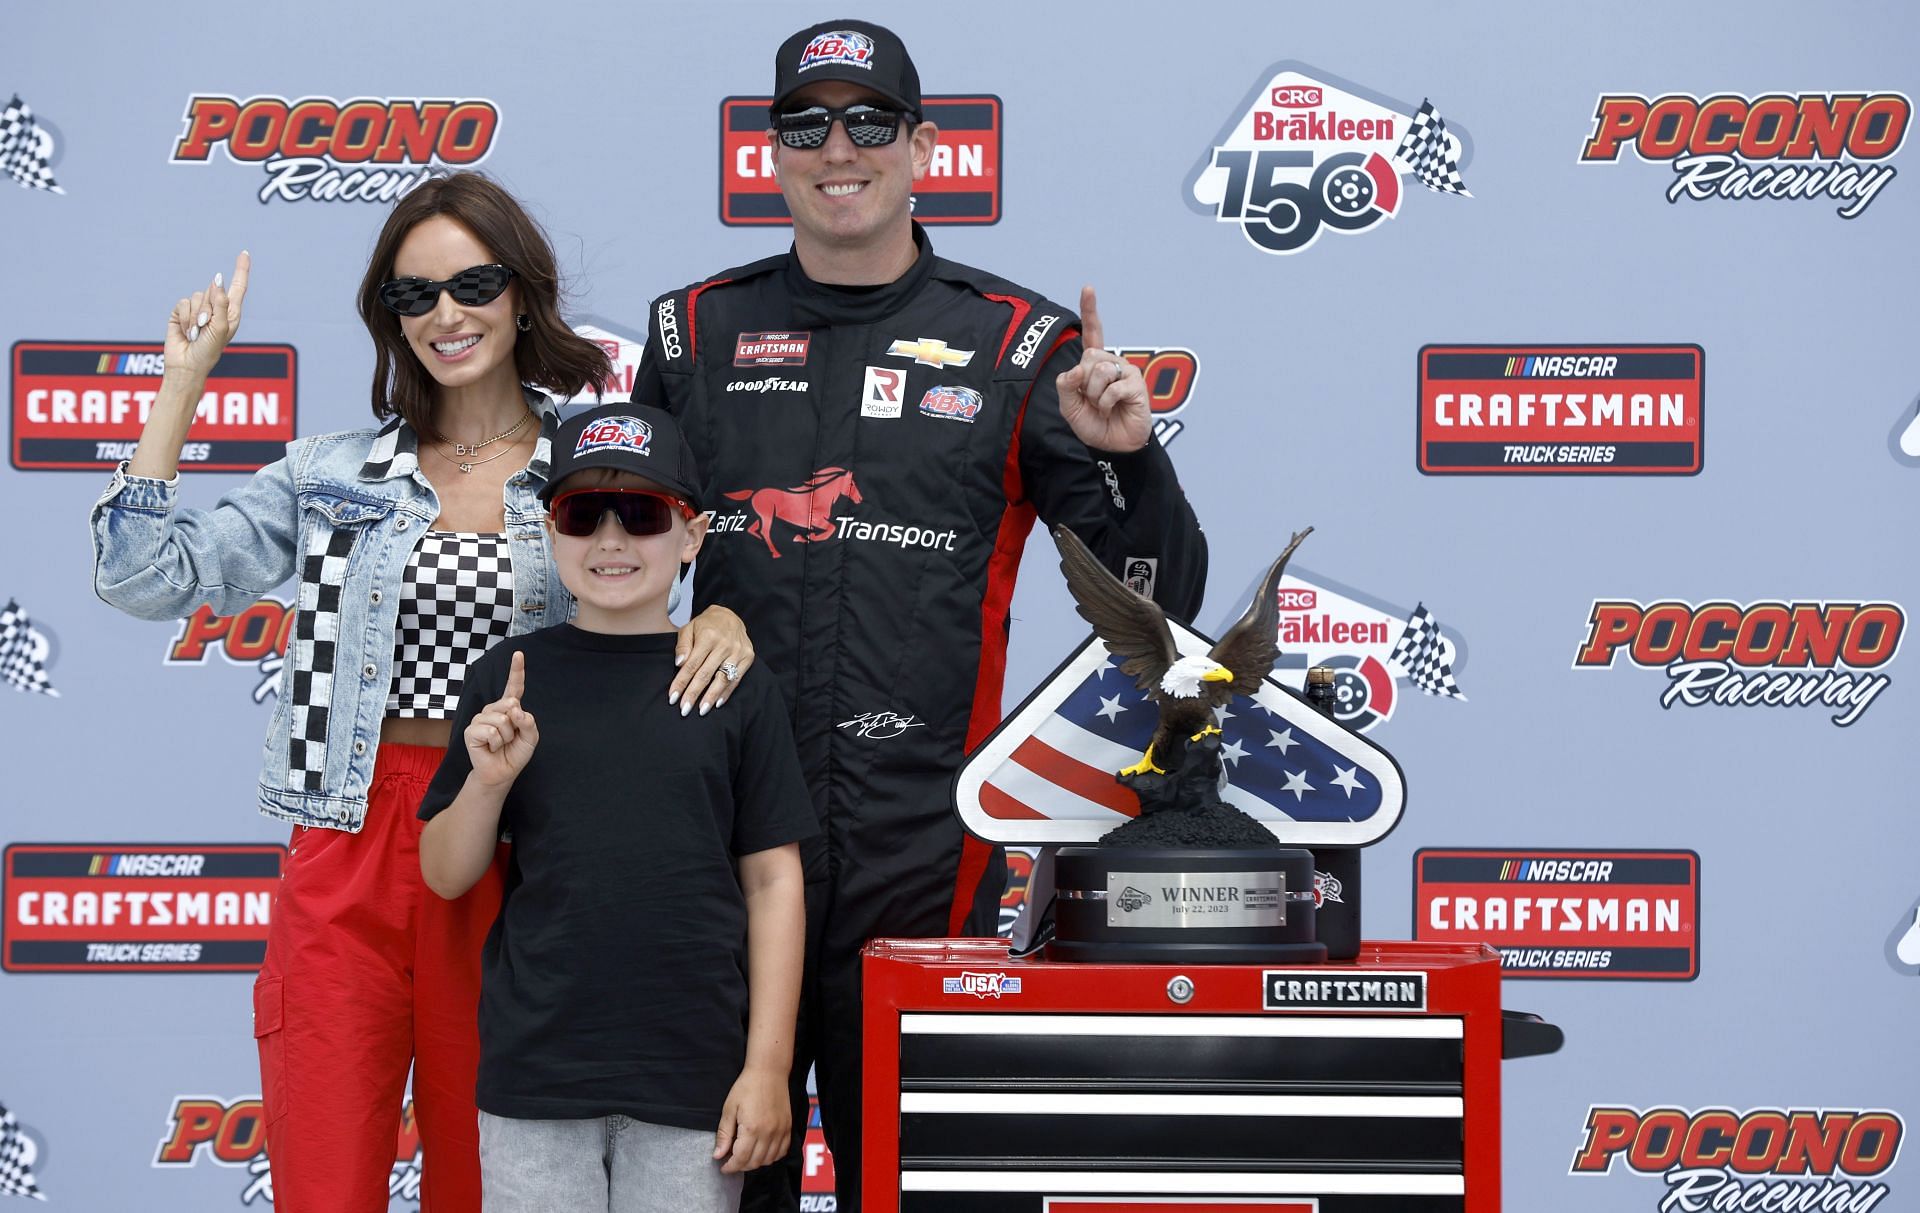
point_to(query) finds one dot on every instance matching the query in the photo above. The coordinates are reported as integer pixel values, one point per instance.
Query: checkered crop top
(455, 602)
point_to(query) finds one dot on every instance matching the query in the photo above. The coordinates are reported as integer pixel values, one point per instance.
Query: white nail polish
(686, 707)
(673, 697)
(219, 280)
(204, 317)
(704, 707)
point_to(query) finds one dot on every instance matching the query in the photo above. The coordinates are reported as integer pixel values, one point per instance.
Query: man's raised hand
(1104, 398)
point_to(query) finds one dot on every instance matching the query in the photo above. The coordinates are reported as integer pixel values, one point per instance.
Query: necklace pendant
(459, 449)
(466, 467)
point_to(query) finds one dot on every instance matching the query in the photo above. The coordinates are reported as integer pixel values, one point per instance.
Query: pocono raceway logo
(233, 1133)
(138, 908)
(1581, 409)
(80, 405)
(1305, 152)
(370, 149)
(1773, 146)
(1565, 913)
(255, 637)
(1790, 1160)
(962, 185)
(1766, 654)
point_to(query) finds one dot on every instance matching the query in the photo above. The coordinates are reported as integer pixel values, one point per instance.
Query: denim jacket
(342, 512)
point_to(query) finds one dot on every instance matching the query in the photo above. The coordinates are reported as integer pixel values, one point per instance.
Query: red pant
(369, 970)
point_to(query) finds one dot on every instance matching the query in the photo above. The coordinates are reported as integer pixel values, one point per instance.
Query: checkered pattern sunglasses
(640, 511)
(867, 126)
(473, 287)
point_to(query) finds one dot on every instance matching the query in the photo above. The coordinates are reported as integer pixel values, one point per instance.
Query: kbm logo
(1303, 153)
(962, 184)
(1776, 145)
(256, 636)
(1771, 654)
(324, 150)
(233, 1133)
(1768, 1158)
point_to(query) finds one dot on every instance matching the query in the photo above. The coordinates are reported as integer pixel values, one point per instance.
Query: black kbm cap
(635, 438)
(856, 51)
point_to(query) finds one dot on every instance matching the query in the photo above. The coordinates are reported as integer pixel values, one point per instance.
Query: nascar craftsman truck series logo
(1558, 409)
(1305, 153)
(1826, 655)
(370, 149)
(1774, 146)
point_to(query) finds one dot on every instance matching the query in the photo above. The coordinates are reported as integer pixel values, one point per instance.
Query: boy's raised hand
(756, 1125)
(501, 737)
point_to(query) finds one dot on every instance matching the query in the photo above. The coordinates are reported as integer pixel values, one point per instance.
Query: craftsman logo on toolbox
(94, 908)
(80, 405)
(1775, 145)
(980, 985)
(372, 149)
(1326, 990)
(962, 184)
(1303, 152)
(1773, 654)
(233, 1133)
(772, 349)
(1588, 914)
(1555, 409)
(1796, 1159)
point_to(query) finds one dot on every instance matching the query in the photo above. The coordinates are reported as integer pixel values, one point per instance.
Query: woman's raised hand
(201, 324)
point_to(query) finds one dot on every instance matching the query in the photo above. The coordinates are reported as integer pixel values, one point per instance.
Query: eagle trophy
(1178, 778)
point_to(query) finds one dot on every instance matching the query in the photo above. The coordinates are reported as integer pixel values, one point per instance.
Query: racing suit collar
(820, 302)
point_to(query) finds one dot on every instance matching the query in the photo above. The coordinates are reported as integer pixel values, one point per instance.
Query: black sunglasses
(640, 511)
(473, 287)
(867, 126)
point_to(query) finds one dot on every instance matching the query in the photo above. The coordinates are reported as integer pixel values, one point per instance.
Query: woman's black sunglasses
(474, 287)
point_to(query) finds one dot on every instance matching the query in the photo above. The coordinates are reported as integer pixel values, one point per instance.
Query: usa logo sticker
(621, 433)
(952, 403)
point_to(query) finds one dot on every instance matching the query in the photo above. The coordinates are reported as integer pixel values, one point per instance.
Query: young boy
(639, 987)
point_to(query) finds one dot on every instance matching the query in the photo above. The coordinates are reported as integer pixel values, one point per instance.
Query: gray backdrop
(1303, 412)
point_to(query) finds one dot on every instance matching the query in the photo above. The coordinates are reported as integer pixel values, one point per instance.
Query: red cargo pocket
(268, 1024)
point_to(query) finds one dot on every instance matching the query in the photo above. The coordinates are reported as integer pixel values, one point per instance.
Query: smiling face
(845, 197)
(460, 346)
(620, 581)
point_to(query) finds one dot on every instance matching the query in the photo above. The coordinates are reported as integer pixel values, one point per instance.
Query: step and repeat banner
(1584, 339)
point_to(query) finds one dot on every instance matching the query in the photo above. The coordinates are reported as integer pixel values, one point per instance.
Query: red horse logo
(807, 506)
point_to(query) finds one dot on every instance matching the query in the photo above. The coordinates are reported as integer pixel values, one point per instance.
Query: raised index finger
(1092, 336)
(516, 678)
(242, 267)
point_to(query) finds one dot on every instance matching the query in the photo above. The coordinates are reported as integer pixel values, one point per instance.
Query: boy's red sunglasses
(640, 511)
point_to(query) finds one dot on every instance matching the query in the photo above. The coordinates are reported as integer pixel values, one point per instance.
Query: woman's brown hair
(548, 355)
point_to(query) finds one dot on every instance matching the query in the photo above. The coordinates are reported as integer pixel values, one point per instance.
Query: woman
(416, 547)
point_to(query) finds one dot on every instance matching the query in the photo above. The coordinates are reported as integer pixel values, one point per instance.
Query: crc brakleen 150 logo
(371, 149)
(1776, 145)
(1306, 151)
(233, 1133)
(138, 907)
(80, 405)
(1796, 1159)
(962, 184)
(1565, 913)
(1764, 654)
(1560, 409)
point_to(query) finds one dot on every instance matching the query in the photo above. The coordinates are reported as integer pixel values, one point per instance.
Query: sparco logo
(1771, 654)
(1794, 1159)
(325, 150)
(233, 1133)
(669, 327)
(1030, 340)
(1314, 990)
(980, 985)
(1302, 152)
(769, 384)
(1814, 145)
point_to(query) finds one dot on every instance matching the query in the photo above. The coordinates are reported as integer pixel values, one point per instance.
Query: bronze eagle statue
(1134, 629)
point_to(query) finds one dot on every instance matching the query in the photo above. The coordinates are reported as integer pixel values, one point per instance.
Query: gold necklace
(469, 465)
(460, 448)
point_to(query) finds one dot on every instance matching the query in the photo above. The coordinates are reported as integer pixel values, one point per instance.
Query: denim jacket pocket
(332, 526)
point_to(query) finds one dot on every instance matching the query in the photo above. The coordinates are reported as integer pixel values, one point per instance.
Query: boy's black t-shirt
(614, 979)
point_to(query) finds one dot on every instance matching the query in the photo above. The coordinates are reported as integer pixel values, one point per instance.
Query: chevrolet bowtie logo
(931, 351)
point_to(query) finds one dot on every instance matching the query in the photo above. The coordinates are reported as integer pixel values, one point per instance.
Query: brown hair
(549, 355)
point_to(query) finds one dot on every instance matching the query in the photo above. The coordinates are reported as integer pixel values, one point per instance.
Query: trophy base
(1178, 905)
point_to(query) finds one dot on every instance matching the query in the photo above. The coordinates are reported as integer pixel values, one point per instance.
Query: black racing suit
(875, 457)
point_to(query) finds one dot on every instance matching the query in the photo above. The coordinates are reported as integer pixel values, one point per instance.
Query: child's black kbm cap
(635, 438)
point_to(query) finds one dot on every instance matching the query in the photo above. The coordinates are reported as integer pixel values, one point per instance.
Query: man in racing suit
(879, 428)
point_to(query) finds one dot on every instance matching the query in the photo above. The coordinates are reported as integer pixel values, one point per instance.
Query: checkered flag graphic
(1426, 655)
(1425, 152)
(23, 652)
(26, 151)
(16, 1160)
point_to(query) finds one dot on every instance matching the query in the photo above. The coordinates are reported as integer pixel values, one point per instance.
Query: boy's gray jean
(608, 1162)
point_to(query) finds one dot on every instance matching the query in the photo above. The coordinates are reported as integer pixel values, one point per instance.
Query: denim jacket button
(359, 746)
(374, 598)
(367, 670)
(401, 525)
